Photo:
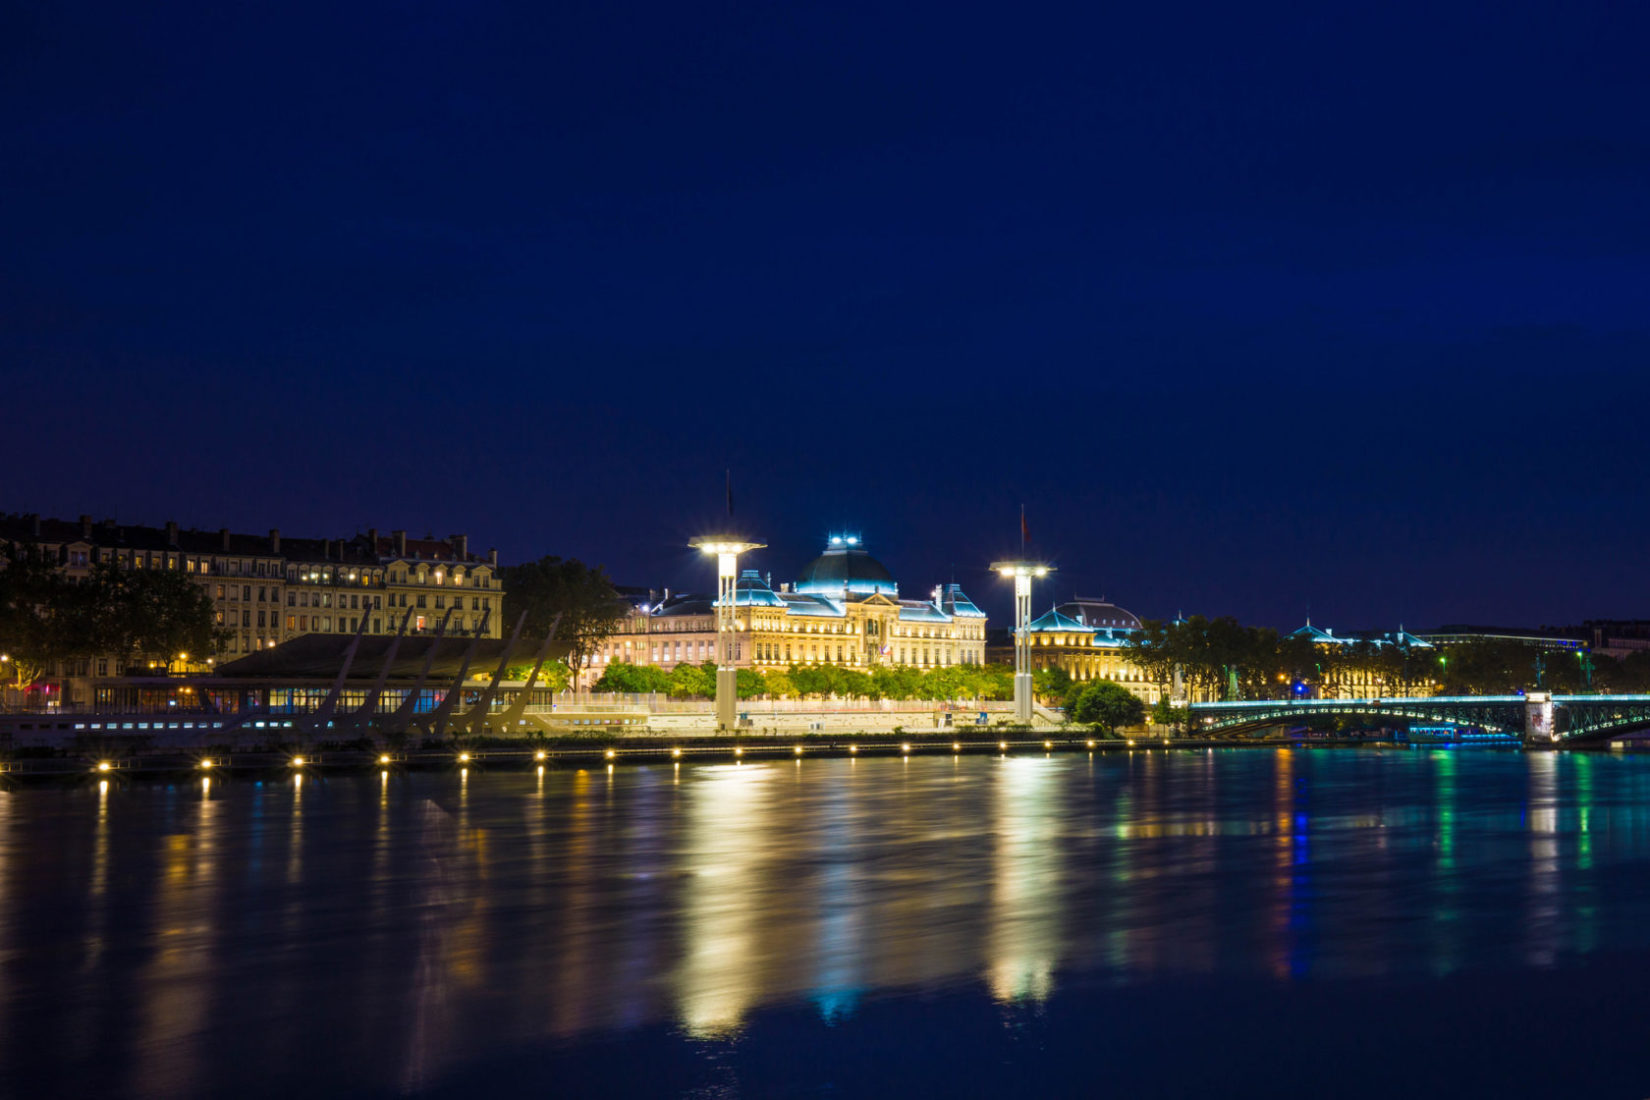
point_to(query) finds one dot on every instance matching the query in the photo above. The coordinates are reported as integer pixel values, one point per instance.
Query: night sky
(1255, 307)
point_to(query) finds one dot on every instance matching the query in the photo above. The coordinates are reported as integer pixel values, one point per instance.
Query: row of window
(277, 568)
(787, 626)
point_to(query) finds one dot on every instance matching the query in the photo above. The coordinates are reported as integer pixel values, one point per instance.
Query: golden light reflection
(579, 988)
(98, 887)
(1023, 943)
(719, 976)
(1283, 864)
(177, 981)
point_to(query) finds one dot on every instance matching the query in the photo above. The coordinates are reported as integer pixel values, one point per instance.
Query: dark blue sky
(1255, 307)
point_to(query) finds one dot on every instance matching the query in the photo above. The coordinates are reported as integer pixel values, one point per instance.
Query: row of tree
(132, 616)
(1223, 659)
(686, 681)
(1100, 703)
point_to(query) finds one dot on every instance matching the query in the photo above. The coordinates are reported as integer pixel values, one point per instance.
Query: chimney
(460, 545)
(223, 533)
(492, 556)
(171, 532)
(274, 540)
(400, 538)
(34, 523)
(85, 527)
(372, 537)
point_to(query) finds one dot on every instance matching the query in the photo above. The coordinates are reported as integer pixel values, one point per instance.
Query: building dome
(846, 568)
(1099, 614)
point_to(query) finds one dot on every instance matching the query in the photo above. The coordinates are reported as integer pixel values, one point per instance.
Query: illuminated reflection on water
(698, 925)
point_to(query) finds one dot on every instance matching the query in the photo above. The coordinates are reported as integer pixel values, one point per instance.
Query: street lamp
(727, 549)
(1022, 572)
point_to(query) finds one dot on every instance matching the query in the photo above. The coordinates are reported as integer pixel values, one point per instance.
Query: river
(1231, 923)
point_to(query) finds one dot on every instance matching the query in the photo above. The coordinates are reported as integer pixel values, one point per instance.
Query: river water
(1246, 922)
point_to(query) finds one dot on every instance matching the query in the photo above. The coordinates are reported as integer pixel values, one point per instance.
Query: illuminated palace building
(844, 610)
(1089, 639)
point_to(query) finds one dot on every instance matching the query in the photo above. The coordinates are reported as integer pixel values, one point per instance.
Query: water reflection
(838, 967)
(394, 927)
(177, 982)
(1026, 887)
(1541, 922)
(728, 842)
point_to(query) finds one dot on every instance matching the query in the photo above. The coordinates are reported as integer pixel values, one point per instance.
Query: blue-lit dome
(754, 591)
(846, 568)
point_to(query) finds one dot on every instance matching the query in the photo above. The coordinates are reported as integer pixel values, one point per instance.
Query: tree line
(902, 682)
(1223, 659)
(1099, 703)
(130, 616)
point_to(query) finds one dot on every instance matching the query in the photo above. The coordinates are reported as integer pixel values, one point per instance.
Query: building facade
(266, 589)
(1089, 639)
(845, 609)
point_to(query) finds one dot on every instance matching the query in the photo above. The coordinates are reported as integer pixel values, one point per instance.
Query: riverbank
(71, 765)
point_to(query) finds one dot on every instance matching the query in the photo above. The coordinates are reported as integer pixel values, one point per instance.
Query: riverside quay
(338, 689)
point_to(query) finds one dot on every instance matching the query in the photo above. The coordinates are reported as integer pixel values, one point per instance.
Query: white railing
(663, 704)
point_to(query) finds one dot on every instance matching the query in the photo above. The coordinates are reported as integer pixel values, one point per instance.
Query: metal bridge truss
(1574, 718)
(1591, 717)
(1498, 713)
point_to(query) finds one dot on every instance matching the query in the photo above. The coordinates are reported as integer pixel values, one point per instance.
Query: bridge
(1536, 719)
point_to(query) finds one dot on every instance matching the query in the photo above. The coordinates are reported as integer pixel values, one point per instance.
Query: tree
(854, 684)
(748, 684)
(993, 681)
(145, 614)
(810, 681)
(778, 685)
(1156, 651)
(629, 679)
(552, 674)
(590, 609)
(1052, 685)
(689, 681)
(1299, 662)
(1107, 705)
(130, 615)
(30, 586)
(1165, 713)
